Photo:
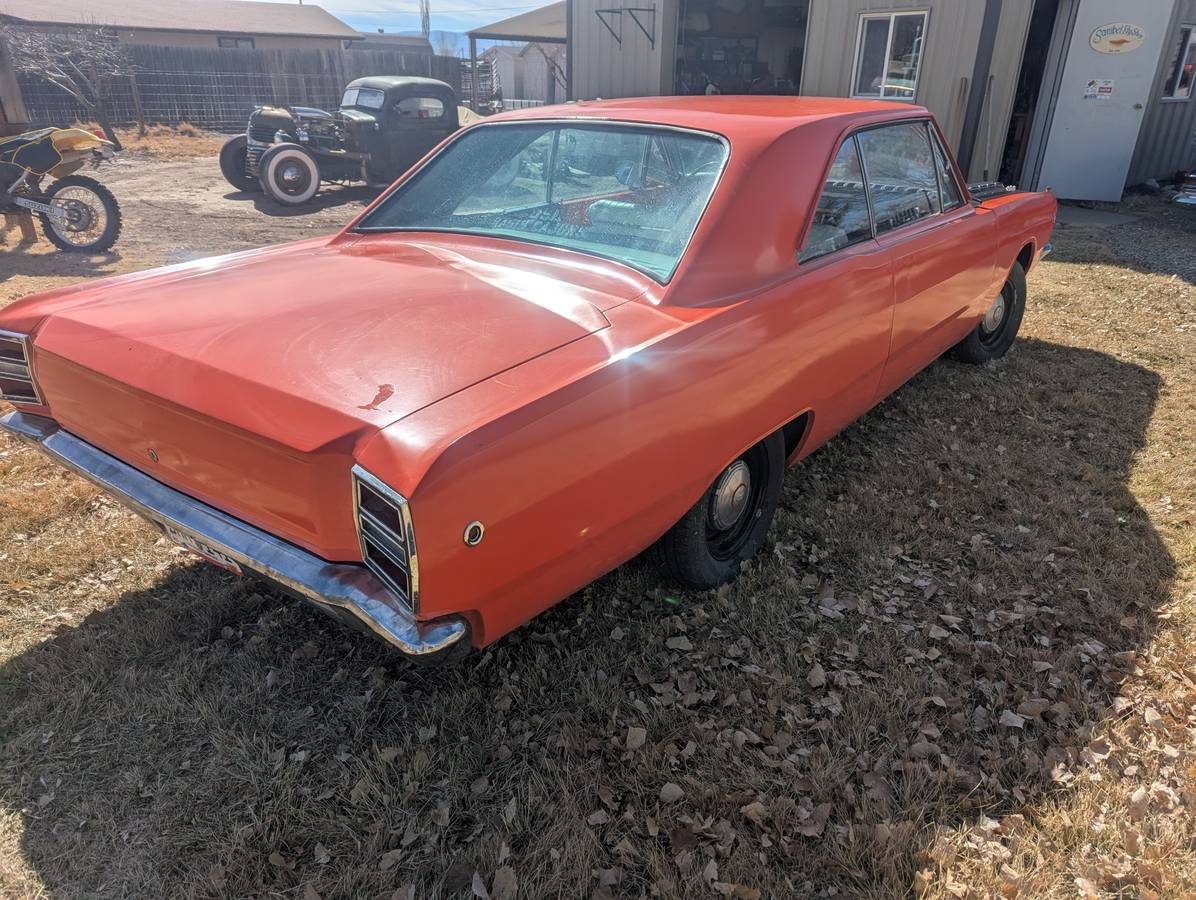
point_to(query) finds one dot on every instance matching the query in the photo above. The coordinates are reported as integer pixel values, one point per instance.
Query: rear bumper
(348, 592)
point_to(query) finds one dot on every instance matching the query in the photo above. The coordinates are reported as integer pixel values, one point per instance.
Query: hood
(306, 343)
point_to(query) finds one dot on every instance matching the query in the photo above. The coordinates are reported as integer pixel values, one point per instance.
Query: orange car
(567, 335)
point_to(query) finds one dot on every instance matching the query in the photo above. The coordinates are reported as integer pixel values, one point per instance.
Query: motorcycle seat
(33, 150)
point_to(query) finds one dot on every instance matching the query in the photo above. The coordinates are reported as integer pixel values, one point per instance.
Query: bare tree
(84, 62)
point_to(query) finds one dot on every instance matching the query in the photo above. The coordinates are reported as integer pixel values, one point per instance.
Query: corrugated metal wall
(952, 38)
(1167, 142)
(606, 67)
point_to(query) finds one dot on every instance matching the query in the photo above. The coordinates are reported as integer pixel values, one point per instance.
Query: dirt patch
(174, 211)
(963, 667)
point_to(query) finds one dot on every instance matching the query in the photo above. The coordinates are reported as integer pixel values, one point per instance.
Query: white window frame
(859, 47)
(1183, 55)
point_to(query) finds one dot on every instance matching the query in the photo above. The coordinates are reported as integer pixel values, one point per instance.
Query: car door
(417, 124)
(942, 247)
(842, 301)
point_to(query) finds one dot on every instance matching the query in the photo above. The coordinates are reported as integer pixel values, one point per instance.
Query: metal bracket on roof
(610, 18)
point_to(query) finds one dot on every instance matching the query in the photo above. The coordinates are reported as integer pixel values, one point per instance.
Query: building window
(235, 43)
(1179, 84)
(889, 55)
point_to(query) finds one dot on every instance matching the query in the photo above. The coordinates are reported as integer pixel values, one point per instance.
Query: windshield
(366, 98)
(628, 193)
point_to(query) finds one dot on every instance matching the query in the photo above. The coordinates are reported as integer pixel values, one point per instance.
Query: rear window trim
(582, 121)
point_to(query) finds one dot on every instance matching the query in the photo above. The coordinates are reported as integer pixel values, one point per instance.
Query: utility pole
(425, 18)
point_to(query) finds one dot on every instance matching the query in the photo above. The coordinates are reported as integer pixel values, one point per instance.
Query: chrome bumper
(348, 592)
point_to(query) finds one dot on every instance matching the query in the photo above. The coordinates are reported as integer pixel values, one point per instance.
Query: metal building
(1083, 96)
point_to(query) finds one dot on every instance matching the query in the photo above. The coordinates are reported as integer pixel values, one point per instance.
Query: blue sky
(447, 15)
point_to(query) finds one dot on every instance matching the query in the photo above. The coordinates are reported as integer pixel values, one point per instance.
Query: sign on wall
(1117, 37)
(1099, 89)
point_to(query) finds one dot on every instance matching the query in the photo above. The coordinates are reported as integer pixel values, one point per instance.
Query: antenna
(425, 18)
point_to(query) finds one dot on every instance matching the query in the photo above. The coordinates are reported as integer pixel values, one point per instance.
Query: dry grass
(168, 142)
(963, 668)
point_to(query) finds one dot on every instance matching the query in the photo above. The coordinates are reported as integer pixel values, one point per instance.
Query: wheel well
(794, 432)
(1026, 257)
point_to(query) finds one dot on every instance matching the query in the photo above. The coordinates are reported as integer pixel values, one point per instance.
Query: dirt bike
(77, 212)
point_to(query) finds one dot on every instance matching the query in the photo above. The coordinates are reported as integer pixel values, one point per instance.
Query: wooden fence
(218, 88)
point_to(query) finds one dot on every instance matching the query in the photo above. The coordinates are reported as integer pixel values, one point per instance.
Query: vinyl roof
(544, 24)
(224, 16)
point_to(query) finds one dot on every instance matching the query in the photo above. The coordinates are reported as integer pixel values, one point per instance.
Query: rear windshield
(363, 98)
(629, 193)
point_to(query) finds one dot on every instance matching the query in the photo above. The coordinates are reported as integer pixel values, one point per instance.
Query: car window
(420, 108)
(902, 174)
(841, 217)
(596, 164)
(365, 98)
(950, 187)
(592, 188)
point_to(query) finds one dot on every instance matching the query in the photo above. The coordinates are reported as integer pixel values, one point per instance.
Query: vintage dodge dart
(567, 335)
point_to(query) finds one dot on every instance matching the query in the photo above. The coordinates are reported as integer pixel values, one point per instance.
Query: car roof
(758, 115)
(386, 82)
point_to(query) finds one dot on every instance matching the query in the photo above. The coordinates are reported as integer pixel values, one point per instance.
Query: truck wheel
(992, 338)
(729, 524)
(289, 174)
(234, 164)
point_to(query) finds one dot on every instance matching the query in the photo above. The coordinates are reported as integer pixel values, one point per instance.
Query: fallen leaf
(816, 677)
(1010, 719)
(320, 854)
(755, 811)
(598, 817)
(636, 737)
(479, 785)
(671, 792)
(389, 858)
(479, 887)
(813, 826)
(505, 885)
(679, 643)
(310, 893)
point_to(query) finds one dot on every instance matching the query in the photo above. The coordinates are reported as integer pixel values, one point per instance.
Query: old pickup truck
(568, 335)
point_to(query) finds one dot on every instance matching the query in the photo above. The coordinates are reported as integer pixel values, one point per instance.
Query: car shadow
(970, 547)
(329, 197)
(17, 260)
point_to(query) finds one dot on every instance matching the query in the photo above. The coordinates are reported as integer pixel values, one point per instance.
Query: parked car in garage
(568, 336)
(385, 124)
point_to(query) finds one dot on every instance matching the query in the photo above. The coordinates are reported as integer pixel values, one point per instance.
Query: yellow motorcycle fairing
(52, 151)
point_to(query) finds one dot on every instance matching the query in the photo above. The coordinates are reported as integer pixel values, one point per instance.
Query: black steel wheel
(289, 174)
(234, 164)
(731, 521)
(993, 337)
(87, 217)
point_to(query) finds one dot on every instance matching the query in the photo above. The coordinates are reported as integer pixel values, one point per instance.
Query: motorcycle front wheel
(91, 216)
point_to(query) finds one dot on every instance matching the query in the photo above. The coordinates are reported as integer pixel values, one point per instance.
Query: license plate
(200, 548)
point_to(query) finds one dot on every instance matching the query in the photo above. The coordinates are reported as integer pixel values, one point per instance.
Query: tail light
(16, 376)
(386, 536)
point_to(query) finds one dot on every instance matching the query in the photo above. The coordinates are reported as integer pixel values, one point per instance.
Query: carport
(545, 25)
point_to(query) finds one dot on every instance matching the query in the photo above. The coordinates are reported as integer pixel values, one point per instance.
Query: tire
(703, 551)
(95, 215)
(289, 174)
(234, 164)
(993, 337)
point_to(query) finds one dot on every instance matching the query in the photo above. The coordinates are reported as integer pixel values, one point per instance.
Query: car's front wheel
(289, 174)
(731, 521)
(992, 338)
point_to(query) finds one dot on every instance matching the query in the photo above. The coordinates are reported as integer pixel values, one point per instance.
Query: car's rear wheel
(731, 521)
(234, 164)
(289, 174)
(993, 337)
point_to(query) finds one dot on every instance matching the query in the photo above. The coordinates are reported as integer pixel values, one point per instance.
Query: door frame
(1048, 100)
